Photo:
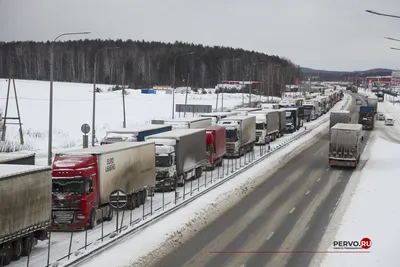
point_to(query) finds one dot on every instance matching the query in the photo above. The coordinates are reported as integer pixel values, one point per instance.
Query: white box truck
(25, 209)
(240, 134)
(345, 144)
(180, 156)
(245, 111)
(267, 126)
(216, 116)
(189, 123)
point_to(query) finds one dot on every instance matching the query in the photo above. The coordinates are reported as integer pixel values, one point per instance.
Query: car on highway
(389, 121)
(381, 117)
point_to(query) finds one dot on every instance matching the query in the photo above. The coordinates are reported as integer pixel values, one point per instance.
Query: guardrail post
(48, 250)
(205, 179)
(163, 194)
(151, 203)
(184, 192)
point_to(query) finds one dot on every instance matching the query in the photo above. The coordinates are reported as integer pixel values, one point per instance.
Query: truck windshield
(260, 126)
(232, 136)
(308, 107)
(163, 161)
(69, 186)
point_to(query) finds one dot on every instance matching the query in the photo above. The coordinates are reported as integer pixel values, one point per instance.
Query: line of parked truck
(346, 137)
(75, 192)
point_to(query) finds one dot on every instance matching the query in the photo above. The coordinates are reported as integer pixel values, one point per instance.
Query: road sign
(118, 199)
(85, 128)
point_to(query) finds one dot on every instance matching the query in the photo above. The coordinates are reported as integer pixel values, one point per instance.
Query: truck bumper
(343, 163)
(168, 184)
(63, 220)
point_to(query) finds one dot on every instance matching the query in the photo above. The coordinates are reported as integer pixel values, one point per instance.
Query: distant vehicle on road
(389, 121)
(381, 117)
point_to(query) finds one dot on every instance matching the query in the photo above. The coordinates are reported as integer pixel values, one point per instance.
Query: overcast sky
(323, 34)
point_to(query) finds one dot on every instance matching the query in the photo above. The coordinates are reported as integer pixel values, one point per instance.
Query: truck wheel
(199, 172)
(180, 183)
(8, 252)
(93, 221)
(17, 250)
(144, 197)
(27, 245)
(137, 198)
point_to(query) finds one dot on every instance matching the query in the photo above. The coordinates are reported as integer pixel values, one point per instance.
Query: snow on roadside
(160, 239)
(373, 211)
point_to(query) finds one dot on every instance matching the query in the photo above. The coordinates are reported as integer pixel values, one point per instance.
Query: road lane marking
(291, 211)
(270, 235)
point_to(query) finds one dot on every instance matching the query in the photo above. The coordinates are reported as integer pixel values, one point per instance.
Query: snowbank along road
(280, 223)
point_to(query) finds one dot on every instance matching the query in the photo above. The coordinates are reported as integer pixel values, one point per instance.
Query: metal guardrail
(125, 235)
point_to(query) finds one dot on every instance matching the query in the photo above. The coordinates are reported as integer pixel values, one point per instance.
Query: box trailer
(216, 116)
(25, 209)
(293, 120)
(240, 134)
(84, 179)
(189, 123)
(180, 156)
(372, 101)
(216, 146)
(345, 144)
(341, 116)
(18, 158)
(366, 117)
(282, 122)
(267, 126)
(136, 133)
(245, 111)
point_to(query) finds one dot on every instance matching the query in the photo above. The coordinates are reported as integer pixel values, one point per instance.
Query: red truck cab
(216, 145)
(75, 197)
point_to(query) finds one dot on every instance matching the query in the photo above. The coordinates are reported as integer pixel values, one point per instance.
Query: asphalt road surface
(279, 224)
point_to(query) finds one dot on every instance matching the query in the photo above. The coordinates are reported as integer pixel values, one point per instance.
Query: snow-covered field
(160, 238)
(369, 205)
(73, 107)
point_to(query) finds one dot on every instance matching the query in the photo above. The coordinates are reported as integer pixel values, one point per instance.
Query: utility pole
(50, 140)
(174, 81)
(94, 92)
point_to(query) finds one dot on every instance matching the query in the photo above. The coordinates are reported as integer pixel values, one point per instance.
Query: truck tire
(143, 197)
(131, 202)
(180, 183)
(27, 245)
(17, 250)
(199, 172)
(137, 197)
(8, 253)
(93, 221)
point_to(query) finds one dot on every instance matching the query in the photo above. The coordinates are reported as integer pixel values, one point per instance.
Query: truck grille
(63, 217)
(258, 134)
(230, 148)
(161, 175)
(66, 204)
